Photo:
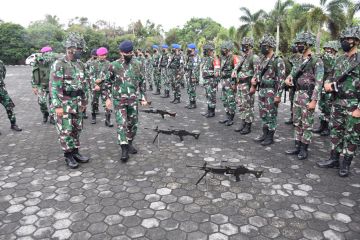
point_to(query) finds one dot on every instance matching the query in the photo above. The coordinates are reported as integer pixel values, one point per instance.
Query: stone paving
(154, 195)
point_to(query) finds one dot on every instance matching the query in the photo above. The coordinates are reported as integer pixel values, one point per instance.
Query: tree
(253, 23)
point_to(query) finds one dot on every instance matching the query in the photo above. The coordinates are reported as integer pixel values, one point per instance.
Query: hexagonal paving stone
(163, 191)
(62, 234)
(219, 218)
(113, 219)
(229, 229)
(342, 217)
(332, 235)
(150, 223)
(25, 230)
(218, 236)
(127, 212)
(157, 205)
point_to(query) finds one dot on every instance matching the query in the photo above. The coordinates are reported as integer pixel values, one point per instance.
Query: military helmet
(332, 44)
(208, 46)
(268, 40)
(305, 37)
(227, 45)
(350, 32)
(74, 40)
(248, 41)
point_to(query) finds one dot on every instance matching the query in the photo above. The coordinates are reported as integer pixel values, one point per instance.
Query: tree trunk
(318, 37)
(277, 38)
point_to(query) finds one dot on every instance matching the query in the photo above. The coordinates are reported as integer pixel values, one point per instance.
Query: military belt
(77, 93)
(267, 85)
(305, 87)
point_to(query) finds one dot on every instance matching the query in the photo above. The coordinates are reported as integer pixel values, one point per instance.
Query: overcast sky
(167, 13)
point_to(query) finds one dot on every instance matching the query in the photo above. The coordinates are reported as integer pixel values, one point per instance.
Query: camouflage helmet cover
(350, 32)
(209, 46)
(268, 40)
(248, 41)
(74, 40)
(332, 44)
(305, 37)
(227, 45)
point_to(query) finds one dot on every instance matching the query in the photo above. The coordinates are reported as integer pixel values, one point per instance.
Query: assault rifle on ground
(236, 171)
(178, 132)
(158, 111)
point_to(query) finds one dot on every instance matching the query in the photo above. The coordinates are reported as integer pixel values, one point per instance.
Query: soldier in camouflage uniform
(149, 69)
(97, 74)
(210, 73)
(269, 76)
(328, 58)
(69, 83)
(139, 55)
(164, 61)
(307, 78)
(40, 81)
(156, 66)
(175, 69)
(5, 99)
(244, 72)
(345, 112)
(124, 84)
(228, 63)
(192, 74)
(91, 63)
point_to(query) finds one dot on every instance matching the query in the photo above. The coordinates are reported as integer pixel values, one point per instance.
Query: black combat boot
(226, 119)
(177, 100)
(262, 137)
(45, 117)
(192, 105)
(207, 113)
(15, 127)
(52, 120)
(108, 122)
(231, 120)
(241, 126)
(124, 152)
(246, 129)
(303, 154)
(295, 150)
(132, 149)
(269, 139)
(290, 120)
(321, 127)
(166, 94)
(173, 101)
(345, 166)
(70, 160)
(211, 113)
(78, 157)
(93, 118)
(85, 115)
(157, 92)
(150, 88)
(332, 162)
(326, 131)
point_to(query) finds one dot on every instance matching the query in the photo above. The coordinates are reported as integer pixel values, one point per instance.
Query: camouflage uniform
(345, 128)
(90, 65)
(156, 70)
(149, 70)
(270, 75)
(164, 61)
(5, 99)
(69, 83)
(175, 69)
(210, 73)
(308, 88)
(245, 71)
(228, 62)
(192, 74)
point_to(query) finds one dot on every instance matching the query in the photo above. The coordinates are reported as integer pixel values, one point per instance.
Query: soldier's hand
(328, 88)
(356, 113)
(253, 81)
(35, 91)
(97, 88)
(277, 100)
(233, 74)
(252, 90)
(59, 112)
(98, 81)
(311, 105)
(108, 104)
(144, 103)
(288, 81)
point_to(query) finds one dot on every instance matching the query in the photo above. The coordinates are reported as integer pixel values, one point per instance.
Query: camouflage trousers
(191, 87)
(9, 105)
(69, 127)
(210, 86)
(267, 109)
(126, 116)
(325, 106)
(345, 129)
(245, 102)
(43, 99)
(228, 96)
(175, 80)
(165, 79)
(157, 78)
(303, 118)
(149, 78)
(95, 100)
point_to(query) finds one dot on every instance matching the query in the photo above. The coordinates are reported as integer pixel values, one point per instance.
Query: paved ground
(154, 195)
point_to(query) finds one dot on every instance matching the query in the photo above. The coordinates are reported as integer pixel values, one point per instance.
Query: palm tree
(253, 22)
(352, 9)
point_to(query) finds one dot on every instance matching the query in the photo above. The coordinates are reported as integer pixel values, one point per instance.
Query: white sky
(167, 13)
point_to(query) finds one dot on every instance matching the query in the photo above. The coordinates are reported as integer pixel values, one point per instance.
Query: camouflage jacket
(210, 67)
(176, 62)
(2, 74)
(98, 70)
(246, 67)
(273, 71)
(228, 64)
(125, 81)
(164, 60)
(41, 70)
(68, 84)
(329, 64)
(148, 64)
(156, 60)
(192, 66)
(311, 77)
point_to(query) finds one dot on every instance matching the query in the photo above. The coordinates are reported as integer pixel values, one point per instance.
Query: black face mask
(189, 52)
(294, 49)
(164, 51)
(346, 46)
(223, 52)
(244, 48)
(155, 52)
(301, 48)
(127, 58)
(173, 51)
(77, 54)
(264, 50)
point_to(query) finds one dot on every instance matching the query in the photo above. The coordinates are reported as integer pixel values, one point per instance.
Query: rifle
(236, 171)
(158, 111)
(300, 71)
(264, 69)
(178, 132)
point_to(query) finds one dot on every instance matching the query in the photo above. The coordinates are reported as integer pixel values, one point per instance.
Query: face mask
(244, 48)
(127, 58)
(301, 48)
(77, 54)
(264, 50)
(173, 51)
(189, 52)
(294, 49)
(163, 50)
(223, 52)
(346, 46)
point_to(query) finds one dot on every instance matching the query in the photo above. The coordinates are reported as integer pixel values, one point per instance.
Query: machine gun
(236, 171)
(158, 111)
(178, 132)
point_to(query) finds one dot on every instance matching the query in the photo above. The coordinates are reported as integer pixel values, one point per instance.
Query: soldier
(307, 78)
(329, 57)
(228, 62)
(244, 72)
(175, 68)
(269, 76)
(68, 79)
(140, 57)
(164, 61)
(192, 74)
(40, 81)
(98, 73)
(157, 72)
(124, 84)
(5, 99)
(344, 83)
(210, 73)
(90, 64)
(149, 69)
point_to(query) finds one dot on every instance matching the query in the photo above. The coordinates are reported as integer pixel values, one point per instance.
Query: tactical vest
(269, 83)
(175, 62)
(164, 60)
(208, 68)
(41, 74)
(228, 67)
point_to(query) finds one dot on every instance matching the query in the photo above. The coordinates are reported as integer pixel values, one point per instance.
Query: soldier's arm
(141, 80)
(86, 85)
(56, 79)
(280, 77)
(319, 75)
(107, 85)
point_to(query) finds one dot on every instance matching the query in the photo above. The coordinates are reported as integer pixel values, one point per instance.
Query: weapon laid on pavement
(236, 171)
(178, 132)
(158, 111)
